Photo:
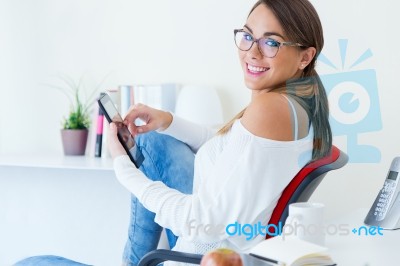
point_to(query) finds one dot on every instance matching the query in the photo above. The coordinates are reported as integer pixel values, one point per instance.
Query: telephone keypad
(383, 202)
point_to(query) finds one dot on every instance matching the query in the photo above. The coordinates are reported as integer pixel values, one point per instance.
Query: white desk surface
(363, 250)
(57, 161)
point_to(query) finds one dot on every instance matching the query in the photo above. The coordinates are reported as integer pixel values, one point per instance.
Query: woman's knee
(167, 159)
(161, 143)
(161, 148)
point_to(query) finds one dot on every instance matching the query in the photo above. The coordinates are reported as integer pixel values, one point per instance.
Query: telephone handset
(385, 212)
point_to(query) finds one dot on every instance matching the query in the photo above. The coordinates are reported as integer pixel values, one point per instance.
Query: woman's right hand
(154, 119)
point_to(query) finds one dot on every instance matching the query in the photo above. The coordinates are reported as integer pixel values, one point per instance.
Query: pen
(268, 260)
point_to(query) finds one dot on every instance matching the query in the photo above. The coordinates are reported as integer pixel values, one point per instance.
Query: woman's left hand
(113, 143)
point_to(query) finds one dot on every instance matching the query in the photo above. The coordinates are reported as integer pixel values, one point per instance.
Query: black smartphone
(127, 140)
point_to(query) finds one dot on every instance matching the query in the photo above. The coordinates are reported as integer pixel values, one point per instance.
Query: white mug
(306, 222)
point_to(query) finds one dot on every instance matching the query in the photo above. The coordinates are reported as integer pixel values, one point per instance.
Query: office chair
(299, 189)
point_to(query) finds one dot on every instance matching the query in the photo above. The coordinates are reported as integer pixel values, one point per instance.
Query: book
(90, 149)
(150, 95)
(99, 131)
(291, 251)
(105, 153)
(116, 98)
(169, 95)
(126, 92)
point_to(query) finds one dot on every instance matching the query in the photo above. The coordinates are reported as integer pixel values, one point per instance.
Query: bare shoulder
(268, 116)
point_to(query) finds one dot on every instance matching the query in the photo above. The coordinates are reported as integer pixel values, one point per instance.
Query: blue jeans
(167, 160)
(48, 260)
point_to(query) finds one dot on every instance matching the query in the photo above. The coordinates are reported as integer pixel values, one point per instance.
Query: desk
(363, 250)
(75, 208)
(68, 206)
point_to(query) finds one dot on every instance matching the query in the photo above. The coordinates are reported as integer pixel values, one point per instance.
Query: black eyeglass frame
(292, 44)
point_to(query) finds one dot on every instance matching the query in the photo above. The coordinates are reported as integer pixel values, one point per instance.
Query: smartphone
(127, 140)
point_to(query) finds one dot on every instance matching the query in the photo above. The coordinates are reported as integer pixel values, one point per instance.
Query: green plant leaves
(79, 116)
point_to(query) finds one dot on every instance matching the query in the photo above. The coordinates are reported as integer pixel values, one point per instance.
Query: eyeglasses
(267, 46)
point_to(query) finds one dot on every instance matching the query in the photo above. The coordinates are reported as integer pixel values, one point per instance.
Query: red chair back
(303, 185)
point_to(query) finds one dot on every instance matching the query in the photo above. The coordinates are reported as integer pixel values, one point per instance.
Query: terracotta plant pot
(74, 141)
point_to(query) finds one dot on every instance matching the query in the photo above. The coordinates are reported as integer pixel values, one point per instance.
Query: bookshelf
(70, 206)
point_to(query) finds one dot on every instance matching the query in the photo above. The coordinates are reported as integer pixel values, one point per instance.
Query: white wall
(366, 24)
(133, 41)
(189, 42)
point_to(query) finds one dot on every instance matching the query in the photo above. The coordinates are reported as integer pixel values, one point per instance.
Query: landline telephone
(385, 212)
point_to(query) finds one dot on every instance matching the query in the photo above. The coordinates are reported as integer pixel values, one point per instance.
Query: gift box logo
(354, 105)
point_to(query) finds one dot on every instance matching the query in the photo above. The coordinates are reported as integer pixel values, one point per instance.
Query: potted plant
(75, 126)
(74, 133)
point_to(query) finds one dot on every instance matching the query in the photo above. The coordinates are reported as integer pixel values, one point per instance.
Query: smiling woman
(190, 173)
(284, 39)
(284, 126)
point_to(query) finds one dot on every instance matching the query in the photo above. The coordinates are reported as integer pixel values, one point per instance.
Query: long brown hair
(301, 24)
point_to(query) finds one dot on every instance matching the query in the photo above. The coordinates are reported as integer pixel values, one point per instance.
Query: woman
(240, 172)
(196, 182)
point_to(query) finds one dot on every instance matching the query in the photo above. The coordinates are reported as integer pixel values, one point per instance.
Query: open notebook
(291, 251)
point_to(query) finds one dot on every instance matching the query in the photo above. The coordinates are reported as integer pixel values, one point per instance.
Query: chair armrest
(160, 255)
